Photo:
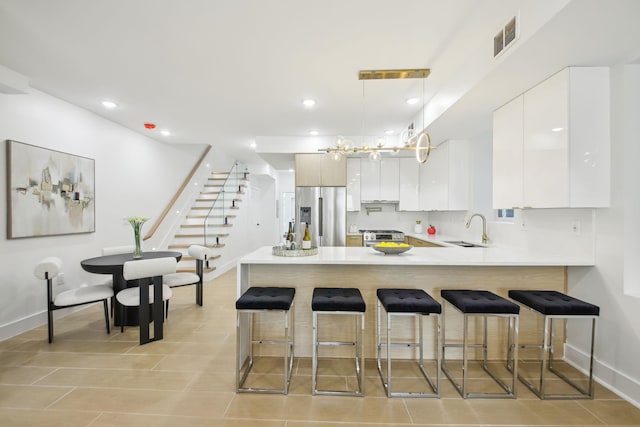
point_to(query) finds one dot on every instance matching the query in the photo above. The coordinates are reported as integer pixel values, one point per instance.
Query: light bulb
(336, 155)
(308, 103)
(374, 156)
(109, 104)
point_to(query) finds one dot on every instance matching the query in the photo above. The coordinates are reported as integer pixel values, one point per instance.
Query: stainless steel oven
(373, 237)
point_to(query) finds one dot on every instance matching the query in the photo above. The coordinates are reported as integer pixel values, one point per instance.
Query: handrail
(175, 197)
(222, 194)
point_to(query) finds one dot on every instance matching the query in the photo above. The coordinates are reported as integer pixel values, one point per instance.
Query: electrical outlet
(576, 227)
(523, 223)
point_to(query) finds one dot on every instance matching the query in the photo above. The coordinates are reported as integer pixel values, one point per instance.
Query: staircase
(210, 219)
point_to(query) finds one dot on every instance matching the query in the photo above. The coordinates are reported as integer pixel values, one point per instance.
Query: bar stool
(261, 300)
(478, 303)
(553, 305)
(407, 302)
(339, 301)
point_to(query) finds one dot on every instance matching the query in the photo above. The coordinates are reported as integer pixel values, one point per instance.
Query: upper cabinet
(508, 145)
(551, 144)
(379, 180)
(320, 170)
(353, 184)
(442, 183)
(409, 184)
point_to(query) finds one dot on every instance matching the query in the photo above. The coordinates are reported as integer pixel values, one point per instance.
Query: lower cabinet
(354, 240)
(419, 243)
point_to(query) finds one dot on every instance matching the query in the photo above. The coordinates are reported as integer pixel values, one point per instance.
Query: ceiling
(232, 73)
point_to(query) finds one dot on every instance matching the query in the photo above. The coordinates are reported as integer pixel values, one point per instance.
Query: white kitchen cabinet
(353, 184)
(380, 180)
(444, 178)
(320, 170)
(564, 159)
(409, 184)
(369, 180)
(507, 155)
(390, 179)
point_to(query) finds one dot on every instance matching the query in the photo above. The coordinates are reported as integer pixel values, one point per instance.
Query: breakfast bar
(428, 268)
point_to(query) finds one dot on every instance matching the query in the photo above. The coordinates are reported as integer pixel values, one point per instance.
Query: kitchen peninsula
(429, 268)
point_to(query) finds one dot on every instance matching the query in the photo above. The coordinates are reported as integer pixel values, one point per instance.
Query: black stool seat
(479, 302)
(408, 301)
(337, 299)
(266, 298)
(554, 303)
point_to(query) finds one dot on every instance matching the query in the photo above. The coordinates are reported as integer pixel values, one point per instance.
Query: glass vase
(137, 253)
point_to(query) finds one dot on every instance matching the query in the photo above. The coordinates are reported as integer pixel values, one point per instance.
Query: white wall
(285, 192)
(618, 332)
(388, 219)
(134, 175)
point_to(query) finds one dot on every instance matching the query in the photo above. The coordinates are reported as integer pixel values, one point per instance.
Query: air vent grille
(507, 35)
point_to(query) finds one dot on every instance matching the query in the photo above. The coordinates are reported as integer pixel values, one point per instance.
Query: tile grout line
(49, 406)
(592, 413)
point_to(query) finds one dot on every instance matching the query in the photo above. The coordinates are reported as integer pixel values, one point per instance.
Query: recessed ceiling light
(165, 132)
(253, 145)
(389, 131)
(109, 104)
(308, 102)
(313, 132)
(412, 101)
(556, 129)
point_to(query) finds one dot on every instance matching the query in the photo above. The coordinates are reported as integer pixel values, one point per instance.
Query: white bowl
(391, 250)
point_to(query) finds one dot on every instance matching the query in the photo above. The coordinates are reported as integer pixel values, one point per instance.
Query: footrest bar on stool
(552, 305)
(344, 302)
(417, 304)
(261, 300)
(481, 304)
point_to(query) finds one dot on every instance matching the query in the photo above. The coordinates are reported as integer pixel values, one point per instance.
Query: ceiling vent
(505, 37)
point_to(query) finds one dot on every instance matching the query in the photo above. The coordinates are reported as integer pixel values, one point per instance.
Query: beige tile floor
(89, 378)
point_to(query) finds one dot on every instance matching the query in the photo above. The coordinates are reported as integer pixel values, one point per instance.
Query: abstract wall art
(49, 192)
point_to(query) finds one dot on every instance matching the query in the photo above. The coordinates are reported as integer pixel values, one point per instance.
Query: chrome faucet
(485, 238)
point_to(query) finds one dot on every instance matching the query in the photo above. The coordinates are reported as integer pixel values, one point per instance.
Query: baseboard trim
(221, 269)
(20, 326)
(616, 381)
(25, 324)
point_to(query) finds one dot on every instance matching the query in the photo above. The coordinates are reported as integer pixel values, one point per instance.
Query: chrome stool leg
(553, 305)
(388, 344)
(263, 300)
(343, 302)
(357, 343)
(482, 315)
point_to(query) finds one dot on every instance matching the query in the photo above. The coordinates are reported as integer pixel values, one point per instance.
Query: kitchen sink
(464, 244)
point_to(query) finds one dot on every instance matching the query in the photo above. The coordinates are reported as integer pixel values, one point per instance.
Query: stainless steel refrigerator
(325, 209)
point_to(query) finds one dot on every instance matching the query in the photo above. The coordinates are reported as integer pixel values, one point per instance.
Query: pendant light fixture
(420, 142)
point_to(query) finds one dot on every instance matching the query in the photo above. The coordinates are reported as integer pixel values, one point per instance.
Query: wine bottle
(290, 237)
(306, 239)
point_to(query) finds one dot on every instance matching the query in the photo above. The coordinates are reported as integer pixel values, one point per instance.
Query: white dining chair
(115, 250)
(50, 268)
(201, 254)
(143, 271)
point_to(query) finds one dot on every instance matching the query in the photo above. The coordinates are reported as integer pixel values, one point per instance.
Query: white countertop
(451, 255)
